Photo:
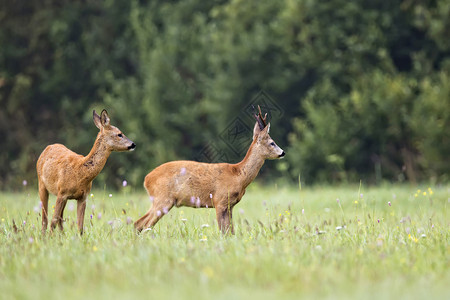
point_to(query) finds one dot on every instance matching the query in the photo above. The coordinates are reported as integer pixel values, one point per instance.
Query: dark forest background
(355, 89)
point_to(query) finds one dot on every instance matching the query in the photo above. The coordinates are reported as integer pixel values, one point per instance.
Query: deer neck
(96, 159)
(251, 164)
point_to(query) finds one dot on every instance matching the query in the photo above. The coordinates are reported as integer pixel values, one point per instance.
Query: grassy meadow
(358, 242)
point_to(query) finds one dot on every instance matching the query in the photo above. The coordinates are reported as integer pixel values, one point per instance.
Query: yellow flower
(356, 201)
(415, 195)
(94, 249)
(424, 193)
(418, 191)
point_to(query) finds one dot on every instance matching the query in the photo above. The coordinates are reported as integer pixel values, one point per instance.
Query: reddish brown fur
(69, 175)
(195, 184)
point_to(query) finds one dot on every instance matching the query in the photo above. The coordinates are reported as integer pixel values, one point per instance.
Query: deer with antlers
(69, 175)
(211, 185)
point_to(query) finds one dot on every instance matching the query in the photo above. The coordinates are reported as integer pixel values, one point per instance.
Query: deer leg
(156, 212)
(224, 219)
(57, 215)
(61, 216)
(81, 208)
(43, 194)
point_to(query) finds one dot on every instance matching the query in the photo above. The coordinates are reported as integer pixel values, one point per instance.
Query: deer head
(113, 136)
(263, 142)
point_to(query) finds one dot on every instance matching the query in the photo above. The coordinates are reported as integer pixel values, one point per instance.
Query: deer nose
(133, 145)
(282, 154)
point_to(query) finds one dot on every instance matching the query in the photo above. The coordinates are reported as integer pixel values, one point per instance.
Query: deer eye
(120, 135)
(272, 144)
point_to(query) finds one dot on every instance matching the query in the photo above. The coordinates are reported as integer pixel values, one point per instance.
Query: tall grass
(312, 242)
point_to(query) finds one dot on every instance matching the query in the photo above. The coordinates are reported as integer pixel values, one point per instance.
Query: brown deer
(69, 175)
(211, 185)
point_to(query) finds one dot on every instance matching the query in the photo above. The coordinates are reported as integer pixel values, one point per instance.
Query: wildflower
(92, 206)
(205, 225)
(129, 220)
(24, 183)
(111, 222)
(36, 209)
(151, 198)
(91, 216)
(197, 203)
(432, 225)
(378, 220)
(424, 193)
(165, 210)
(241, 211)
(204, 238)
(30, 240)
(423, 235)
(418, 191)
(430, 191)
(99, 216)
(339, 228)
(183, 220)
(158, 213)
(415, 195)
(110, 195)
(210, 196)
(338, 201)
(360, 195)
(94, 248)
(183, 171)
(124, 183)
(389, 203)
(92, 195)
(24, 223)
(3, 220)
(192, 199)
(356, 202)
(147, 229)
(303, 211)
(71, 207)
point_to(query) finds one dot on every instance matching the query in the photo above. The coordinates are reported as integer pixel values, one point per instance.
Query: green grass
(287, 245)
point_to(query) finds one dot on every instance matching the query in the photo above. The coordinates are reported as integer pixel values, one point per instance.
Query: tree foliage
(363, 86)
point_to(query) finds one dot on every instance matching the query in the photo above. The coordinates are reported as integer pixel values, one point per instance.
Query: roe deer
(69, 175)
(218, 185)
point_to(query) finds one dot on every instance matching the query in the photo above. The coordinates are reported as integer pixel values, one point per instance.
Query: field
(386, 242)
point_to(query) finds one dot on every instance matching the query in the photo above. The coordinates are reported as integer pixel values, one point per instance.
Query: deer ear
(256, 130)
(105, 118)
(97, 121)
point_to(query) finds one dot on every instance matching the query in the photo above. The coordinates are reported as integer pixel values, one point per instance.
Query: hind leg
(43, 194)
(57, 215)
(156, 212)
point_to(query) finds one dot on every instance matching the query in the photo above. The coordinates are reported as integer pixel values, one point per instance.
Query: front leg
(224, 219)
(81, 208)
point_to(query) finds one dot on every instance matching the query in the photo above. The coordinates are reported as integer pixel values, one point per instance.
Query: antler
(259, 118)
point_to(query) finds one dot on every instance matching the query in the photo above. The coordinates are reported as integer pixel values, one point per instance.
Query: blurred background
(362, 88)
